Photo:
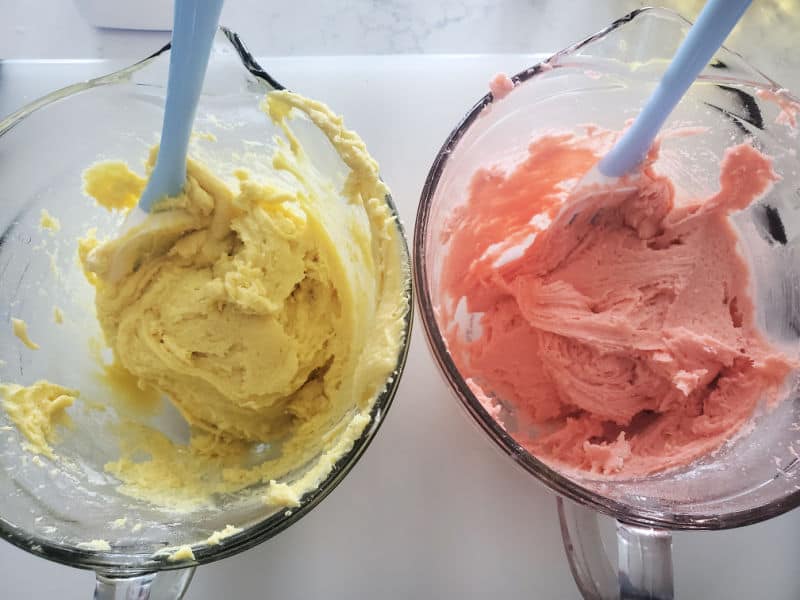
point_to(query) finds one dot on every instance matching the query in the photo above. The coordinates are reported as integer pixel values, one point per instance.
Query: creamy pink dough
(788, 105)
(500, 86)
(622, 341)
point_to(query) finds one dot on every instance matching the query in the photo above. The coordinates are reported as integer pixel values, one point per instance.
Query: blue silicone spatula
(713, 25)
(194, 26)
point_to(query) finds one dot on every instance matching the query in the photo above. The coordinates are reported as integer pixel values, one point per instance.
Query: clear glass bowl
(605, 79)
(44, 147)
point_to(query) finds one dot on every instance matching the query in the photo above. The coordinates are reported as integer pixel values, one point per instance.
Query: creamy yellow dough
(97, 545)
(20, 329)
(49, 222)
(270, 315)
(113, 185)
(36, 410)
(182, 553)
(216, 538)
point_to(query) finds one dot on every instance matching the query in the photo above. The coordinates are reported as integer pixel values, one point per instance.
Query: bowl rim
(119, 564)
(549, 476)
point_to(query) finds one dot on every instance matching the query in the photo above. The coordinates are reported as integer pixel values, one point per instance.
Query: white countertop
(432, 510)
(56, 29)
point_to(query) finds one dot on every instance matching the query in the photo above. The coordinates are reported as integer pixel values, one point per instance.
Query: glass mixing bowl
(605, 79)
(50, 508)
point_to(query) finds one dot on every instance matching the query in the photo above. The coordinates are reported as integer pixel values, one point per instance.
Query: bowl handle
(645, 557)
(164, 585)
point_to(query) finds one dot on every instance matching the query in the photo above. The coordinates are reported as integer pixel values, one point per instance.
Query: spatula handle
(715, 22)
(193, 33)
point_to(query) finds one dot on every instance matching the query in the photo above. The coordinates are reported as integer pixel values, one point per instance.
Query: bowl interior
(51, 507)
(604, 81)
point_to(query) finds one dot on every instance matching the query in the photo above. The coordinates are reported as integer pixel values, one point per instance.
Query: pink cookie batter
(788, 105)
(501, 86)
(622, 343)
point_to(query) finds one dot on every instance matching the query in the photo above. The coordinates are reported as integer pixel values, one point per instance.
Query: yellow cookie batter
(36, 410)
(271, 315)
(97, 545)
(49, 222)
(20, 329)
(113, 185)
(182, 553)
(215, 539)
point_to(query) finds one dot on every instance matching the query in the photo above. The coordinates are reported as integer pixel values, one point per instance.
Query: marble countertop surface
(56, 29)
